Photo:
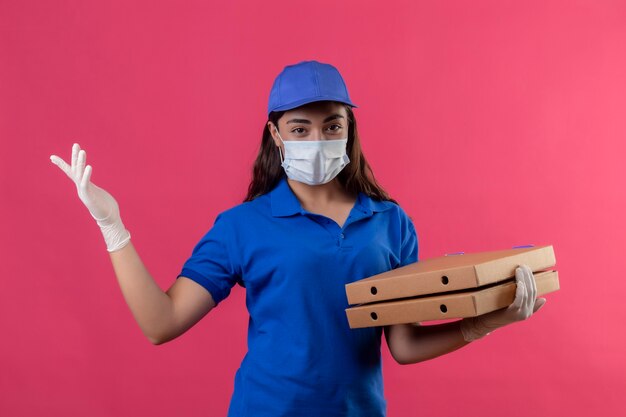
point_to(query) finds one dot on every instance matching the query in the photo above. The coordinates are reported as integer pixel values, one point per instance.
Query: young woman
(314, 220)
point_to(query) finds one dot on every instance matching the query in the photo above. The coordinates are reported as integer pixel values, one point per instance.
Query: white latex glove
(523, 306)
(100, 203)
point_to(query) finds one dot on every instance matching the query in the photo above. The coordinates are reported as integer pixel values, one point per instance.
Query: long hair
(355, 177)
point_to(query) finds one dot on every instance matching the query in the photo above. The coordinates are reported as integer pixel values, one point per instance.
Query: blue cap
(306, 82)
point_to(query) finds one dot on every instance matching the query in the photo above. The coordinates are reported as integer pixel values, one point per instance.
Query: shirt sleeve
(409, 249)
(210, 264)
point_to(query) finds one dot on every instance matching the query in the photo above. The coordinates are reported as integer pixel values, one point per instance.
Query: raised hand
(100, 203)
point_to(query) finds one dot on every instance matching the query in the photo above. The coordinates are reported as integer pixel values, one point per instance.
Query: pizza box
(449, 273)
(461, 304)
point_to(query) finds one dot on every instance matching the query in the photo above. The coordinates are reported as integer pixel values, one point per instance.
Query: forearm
(413, 343)
(151, 307)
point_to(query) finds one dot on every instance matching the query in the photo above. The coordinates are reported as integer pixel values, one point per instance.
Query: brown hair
(357, 176)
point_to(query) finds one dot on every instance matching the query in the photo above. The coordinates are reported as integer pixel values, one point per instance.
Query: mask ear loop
(282, 160)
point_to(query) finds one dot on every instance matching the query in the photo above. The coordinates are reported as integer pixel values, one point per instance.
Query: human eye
(298, 130)
(335, 128)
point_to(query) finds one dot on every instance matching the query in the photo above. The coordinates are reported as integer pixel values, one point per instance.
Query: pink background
(494, 123)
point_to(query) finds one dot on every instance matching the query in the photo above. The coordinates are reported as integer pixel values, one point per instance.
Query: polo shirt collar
(372, 206)
(285, 203)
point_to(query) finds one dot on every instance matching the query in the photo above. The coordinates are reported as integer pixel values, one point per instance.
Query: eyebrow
(308, 122)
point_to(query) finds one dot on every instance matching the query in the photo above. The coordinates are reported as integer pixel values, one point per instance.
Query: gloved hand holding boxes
(452, 286)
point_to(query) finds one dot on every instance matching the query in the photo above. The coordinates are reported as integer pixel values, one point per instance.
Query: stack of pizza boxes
(448, 287)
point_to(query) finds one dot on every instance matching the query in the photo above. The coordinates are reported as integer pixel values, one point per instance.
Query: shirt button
(342, 236)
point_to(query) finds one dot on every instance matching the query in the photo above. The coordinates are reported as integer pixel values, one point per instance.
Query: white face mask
(314, 162)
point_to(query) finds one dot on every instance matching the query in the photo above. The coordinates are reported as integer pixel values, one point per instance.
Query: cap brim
(302, 102)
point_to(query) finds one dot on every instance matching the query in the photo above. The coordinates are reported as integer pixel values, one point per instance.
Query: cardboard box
(447, 306)
(449, 273)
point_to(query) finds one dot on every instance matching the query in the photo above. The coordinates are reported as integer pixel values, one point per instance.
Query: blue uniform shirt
(303, 359)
